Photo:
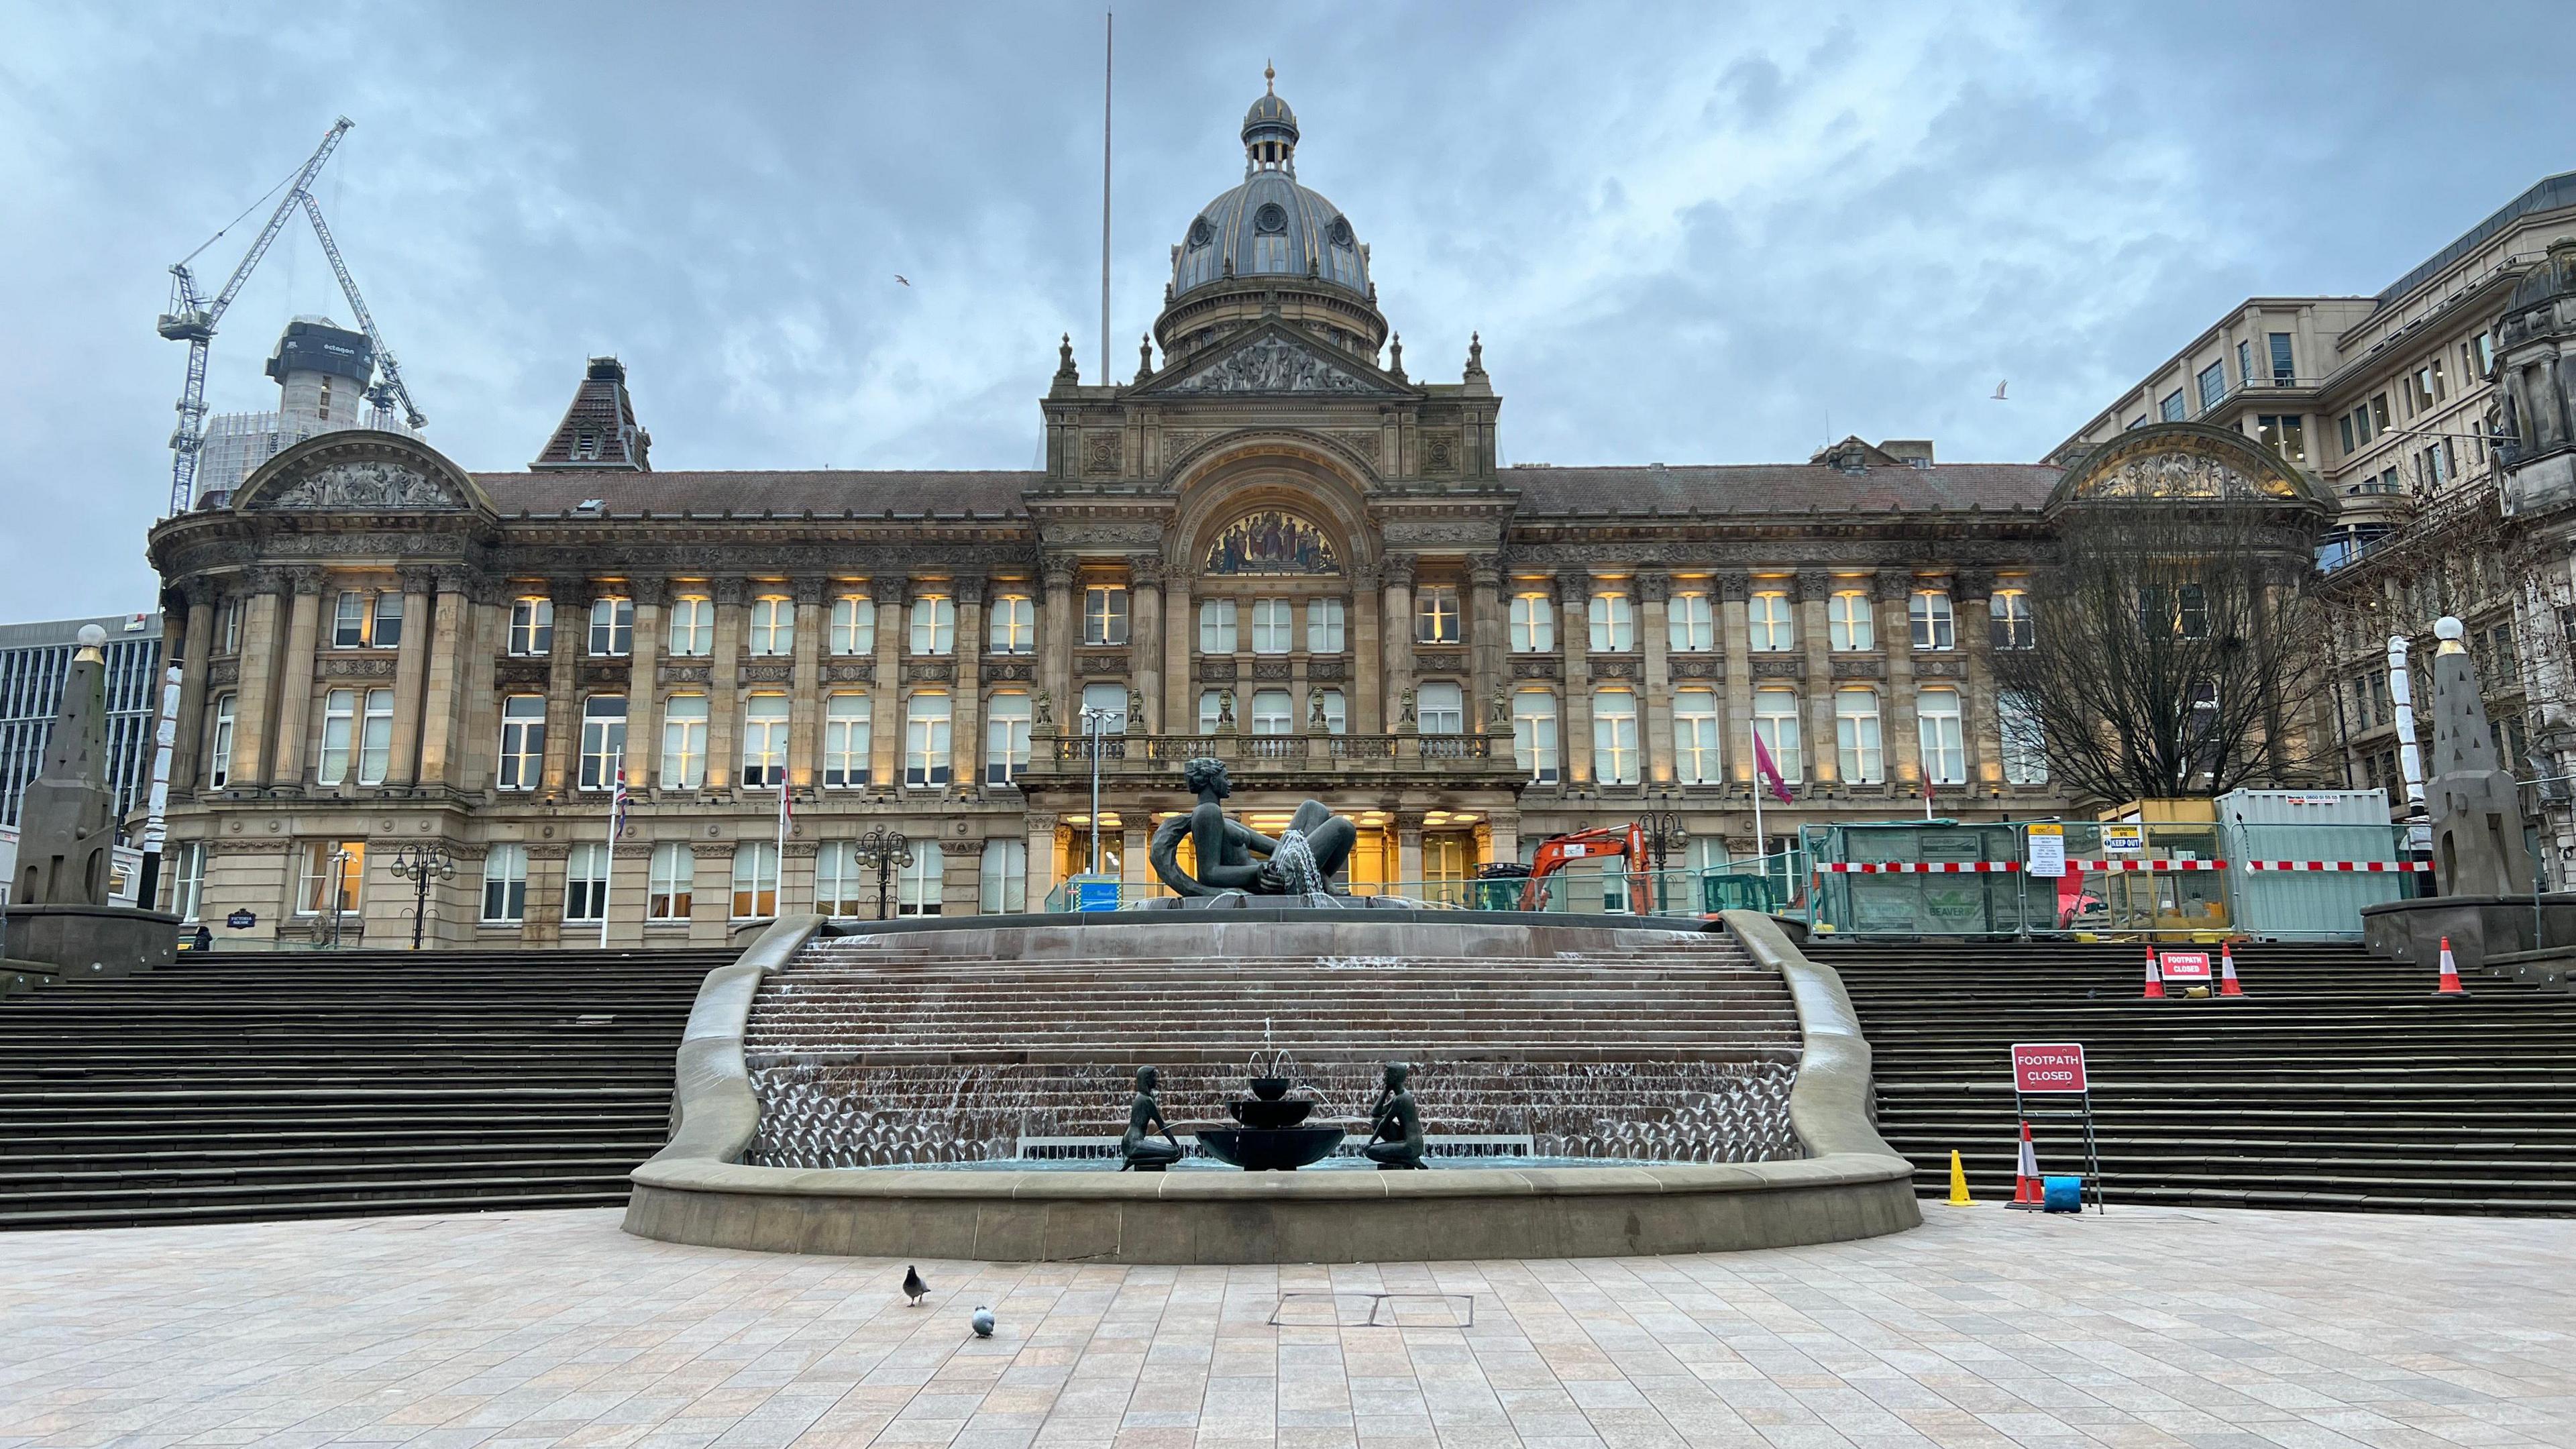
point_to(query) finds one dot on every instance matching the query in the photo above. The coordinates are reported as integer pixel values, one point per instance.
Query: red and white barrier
(1909, 867)
(2340, 865)
(2158, 867)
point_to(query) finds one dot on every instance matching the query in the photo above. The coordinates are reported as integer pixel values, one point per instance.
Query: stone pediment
(360, 471)
(1273, 362)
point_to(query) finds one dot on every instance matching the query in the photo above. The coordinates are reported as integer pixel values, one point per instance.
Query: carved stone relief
(379, 667)
(686, 673)
(929, 671)
(765, 674)
(1604, 667)
(1216, 669)
(1792, 668)
(1440, 661)
(1534, 666)
(1327, 670)
(1000, 671)
(364, 484)
(1265, 670)
(855, 671)
(1440, 452)
(1859, 669)
(1271, 364)
(1102, 453)
(1695, 666)
(1929, 667)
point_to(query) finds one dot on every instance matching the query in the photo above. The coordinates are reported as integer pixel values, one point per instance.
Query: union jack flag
(617, 804)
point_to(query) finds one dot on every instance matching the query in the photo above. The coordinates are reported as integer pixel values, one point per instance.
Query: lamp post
(887, 851)
(1095, 723)
(340, 859)
(1662, 826)
(421, 862)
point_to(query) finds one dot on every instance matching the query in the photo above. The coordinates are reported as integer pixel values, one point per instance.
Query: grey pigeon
(983, 1321)
(913, 1287)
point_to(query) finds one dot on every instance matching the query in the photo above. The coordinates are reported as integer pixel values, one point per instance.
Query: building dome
(1270, 226)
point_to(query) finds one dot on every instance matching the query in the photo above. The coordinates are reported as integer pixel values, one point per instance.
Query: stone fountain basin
(1273, 1150)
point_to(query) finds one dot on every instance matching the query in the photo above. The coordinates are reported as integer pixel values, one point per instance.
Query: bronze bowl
(1267, 1114)
(1270, 1150)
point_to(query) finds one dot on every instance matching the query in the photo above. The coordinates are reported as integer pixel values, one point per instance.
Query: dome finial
(1269, 78)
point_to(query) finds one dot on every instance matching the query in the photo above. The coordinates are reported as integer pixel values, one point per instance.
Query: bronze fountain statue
(1301, 862)
(1137, 1150)
(1395, 1136)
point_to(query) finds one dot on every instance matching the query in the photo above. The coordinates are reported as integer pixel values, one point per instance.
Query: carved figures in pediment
(1270, 364)
(364, 484)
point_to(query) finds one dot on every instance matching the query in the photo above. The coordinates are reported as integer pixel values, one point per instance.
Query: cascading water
(1294, 863)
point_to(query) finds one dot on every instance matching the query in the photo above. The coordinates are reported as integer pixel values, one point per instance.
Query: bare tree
(2175, 652)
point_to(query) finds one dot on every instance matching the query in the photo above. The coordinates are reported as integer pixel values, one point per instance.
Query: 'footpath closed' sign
(2056, 1066)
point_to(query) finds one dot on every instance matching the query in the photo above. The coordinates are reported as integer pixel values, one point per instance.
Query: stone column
(710, 889)
(295, 678)
(571, 597)
(487, 623)
(1735, 639)
(1397, 637)
(1041, 841)
(966, 701)
(724, 690)
(1180, 636)
(1058, 632)
(411, 670)
(1488, 636)
(255, 697)
(1896, 635)
(1980, 708)
(1408, 846)
(644, 688)
(196, 644)
(442, 691)
(1815, 643)
(885, 698)
(805, 692)
(1367, 632)
(1574, 636)
(1145, 634)
(1654, 688)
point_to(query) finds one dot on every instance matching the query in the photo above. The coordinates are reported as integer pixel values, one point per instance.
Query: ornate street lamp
(1095, 723)
(1662, 825)
(887, 851)
(421, 862)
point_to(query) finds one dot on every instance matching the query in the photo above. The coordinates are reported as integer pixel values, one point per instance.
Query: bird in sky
(913, 1287)
(1999, 391)
(900, 277)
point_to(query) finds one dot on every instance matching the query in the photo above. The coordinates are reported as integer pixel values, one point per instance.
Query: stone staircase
(2336, 1083)
(236, 1086)
(923, 1047)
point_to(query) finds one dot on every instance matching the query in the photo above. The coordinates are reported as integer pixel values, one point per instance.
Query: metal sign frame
(2081, 1110)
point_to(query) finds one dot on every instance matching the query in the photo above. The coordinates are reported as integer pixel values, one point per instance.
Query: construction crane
(191, 319)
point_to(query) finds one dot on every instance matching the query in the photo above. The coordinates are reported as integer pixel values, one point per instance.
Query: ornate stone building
(1274, 544)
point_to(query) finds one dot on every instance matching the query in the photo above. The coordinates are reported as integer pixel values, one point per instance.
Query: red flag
(1769, 771)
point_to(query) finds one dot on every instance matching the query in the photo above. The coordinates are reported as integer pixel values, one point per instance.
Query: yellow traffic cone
(1959, 1182)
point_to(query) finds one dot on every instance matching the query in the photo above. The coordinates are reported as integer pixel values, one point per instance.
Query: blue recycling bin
(2061, 1194)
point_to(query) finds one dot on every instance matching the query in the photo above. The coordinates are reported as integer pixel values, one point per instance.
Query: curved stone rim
(697, 1190)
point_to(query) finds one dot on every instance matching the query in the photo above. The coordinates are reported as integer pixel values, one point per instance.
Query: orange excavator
(1558, 851)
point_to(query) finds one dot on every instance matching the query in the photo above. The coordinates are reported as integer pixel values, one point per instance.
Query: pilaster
(411, 669)
(1905, 740)
(1735, 639)
(195, 643)
(1398, 636)
(295, 678)
(1574, 636)
(885, 697)
(1815, 643)
(1654, 692)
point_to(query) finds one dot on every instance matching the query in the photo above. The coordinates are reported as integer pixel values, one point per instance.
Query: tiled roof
(826, 492)
(599, 429)
(1778, 488)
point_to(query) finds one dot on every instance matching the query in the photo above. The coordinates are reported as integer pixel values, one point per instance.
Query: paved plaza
(2150, 1327)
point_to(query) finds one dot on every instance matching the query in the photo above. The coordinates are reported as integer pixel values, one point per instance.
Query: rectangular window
(693, 626)
(349, 622)
(2011, 626)
(2213, 386)
(2485, 345)
(505, 884)
(1613, 620)
(854, 626)
(384, 631)
(1274, 629)
(1614, 736)
(612, 628)
(2436, 385)
(925, 741)
(1435, 614)
(532, 627)
(1011, 624)
(2025, 751)
(1108, 703)
(1324, 626)
(1211, 710)
(1856, 736)
(1216, 626)
(586, 882)
(1272, 714)
(1533, 624)
(219, 742)
(1768, 615)
(2245, 364)
(1337, 718)
(1534, 734)
(1006, 737)
(2379, 411)
(1945, 755)
(1775, 724)
(918, 884)
(934, 625)
(848, 733)
(376, 737)
(1695, 736)
(839, 879)
(1850, 621)
(2171, 408)
(764, 740)
(603, 740)
(2284, 374)
(188, 880)
(1104, 614)
(1934, 628)
(755, 880)
(228, 627)
(2343, 425)
(773, 627)
(1006, 878)
(2285, 434)
(523, 740)
(339, 720)
(684, 742)
(332, 872)
(674, 878)
(1691, 624)
(1442, 709)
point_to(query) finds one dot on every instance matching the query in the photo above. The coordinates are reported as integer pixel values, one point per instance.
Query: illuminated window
(764, 740)
(684, 742)
(1850, 622)
(1011, 624)
(673, 880)
(934, 625)
(755, 880)
(854, 626)
(773, 627)
(1104, 614)
(1767, 615)
(927, 718)
(1775, 724)
(1435, 614)
(2012, 627)
(1945, 756)
(1856, 736)
(847, 735)
(1006, 737)
(612, 628)
(1614, 736)
(523, 740)
(1695, 736)
(1533, 624)
(918, 885)
(693, 626)
(532, 626)
(1534, 734)
(1692, 624)
(1614, 624)
(1934, 627)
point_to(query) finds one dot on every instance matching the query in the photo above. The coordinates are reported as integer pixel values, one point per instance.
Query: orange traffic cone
(2155, 979)
(2450, 989)
(2026, 1184)
(2227, 985)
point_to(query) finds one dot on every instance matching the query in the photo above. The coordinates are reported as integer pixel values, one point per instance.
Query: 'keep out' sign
(2056, 1066)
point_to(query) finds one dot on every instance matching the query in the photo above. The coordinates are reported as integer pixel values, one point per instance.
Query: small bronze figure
(1226, 848)
(1145, 1118)
(1395, 1144)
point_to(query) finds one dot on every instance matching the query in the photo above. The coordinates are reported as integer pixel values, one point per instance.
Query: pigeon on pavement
(983, 1321)
(913, 1287)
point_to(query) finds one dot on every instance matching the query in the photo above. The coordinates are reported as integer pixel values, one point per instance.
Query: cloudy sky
(1688, 233)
